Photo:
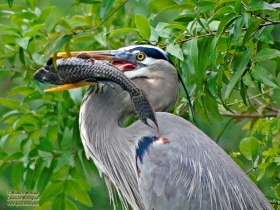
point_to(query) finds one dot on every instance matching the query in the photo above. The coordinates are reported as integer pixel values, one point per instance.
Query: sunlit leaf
(143, 26)
(175, 50)
(123, 31)
(267, 54)
(249, 147)
(23, 42)
(77, 192)
(205, 6)
(14, 104)
(51, 191)
(45, 14)
(263, 76)
(226, 21)
(58, 44)
(105, 7)
(259, 5)
(31, 4)
(69, 205)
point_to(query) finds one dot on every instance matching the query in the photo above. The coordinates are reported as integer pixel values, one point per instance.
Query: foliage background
(227, 51)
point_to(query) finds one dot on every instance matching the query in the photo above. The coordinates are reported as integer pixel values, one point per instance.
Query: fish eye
(140, 56)
(45, 79)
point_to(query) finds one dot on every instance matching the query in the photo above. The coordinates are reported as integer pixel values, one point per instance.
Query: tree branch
(110, 15)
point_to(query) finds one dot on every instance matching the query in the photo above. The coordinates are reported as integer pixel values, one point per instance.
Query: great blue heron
(174, 167)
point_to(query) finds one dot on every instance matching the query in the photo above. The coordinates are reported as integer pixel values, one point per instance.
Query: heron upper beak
(97, 55)
(108, 55)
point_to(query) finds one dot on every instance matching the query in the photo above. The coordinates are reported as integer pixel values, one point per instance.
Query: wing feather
(193, 172)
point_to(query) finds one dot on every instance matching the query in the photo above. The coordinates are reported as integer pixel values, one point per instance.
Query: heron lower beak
(108, 55)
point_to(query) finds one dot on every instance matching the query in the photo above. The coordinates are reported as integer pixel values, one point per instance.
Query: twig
(248, 115)
(270, 22)
(259, 103)
(110, 15)
(252, 97)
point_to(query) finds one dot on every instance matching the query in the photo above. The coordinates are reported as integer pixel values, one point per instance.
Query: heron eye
(140, 56)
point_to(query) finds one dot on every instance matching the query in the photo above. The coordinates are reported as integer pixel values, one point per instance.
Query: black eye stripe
(150, 52)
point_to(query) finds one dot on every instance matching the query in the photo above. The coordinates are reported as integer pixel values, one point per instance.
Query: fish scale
(76, 69)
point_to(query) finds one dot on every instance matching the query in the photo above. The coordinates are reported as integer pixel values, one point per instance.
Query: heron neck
(107, 143)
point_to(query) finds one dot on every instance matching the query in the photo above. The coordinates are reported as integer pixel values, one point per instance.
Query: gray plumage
(189, 172)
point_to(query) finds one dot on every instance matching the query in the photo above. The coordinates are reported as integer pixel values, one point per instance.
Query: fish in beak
(118, 58)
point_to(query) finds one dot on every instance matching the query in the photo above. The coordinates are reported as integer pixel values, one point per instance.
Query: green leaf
(89, 1)
(61, 173)
(277, 190)
(174, 49)
(58, 44)
(263, 76)
(46, 175)
(267, 54)
(249, 147)
(23, 42)
(237, 6)
(251, 30)
(14, 104)
(248, 81)
(212, 107)
(143, 26)
(205, 6)
(239, 71)
(59, 202)
(3, 155)
(166, 8)
(222, 11)
(238, 28)
(259, 5)
(184, 18)
(260, 175)
(17, 175)
(23, 90)
(21, 55)
(199, 74)
(124, 30)
(34, 30)
(69, 205)
(78, 193)
(253, 178)
(202, 111)
(52, 190)
(10, 2)
(45, 145)
(31, 4)
(105, 7)
(176, 26)
(45, 14)
(226, 21)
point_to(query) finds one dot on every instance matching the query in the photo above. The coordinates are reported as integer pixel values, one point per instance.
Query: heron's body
(190, 171)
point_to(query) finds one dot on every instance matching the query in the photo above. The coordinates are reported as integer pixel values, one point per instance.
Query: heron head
(148, 66)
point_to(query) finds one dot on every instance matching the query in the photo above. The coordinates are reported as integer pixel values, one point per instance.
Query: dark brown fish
(78, 69)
